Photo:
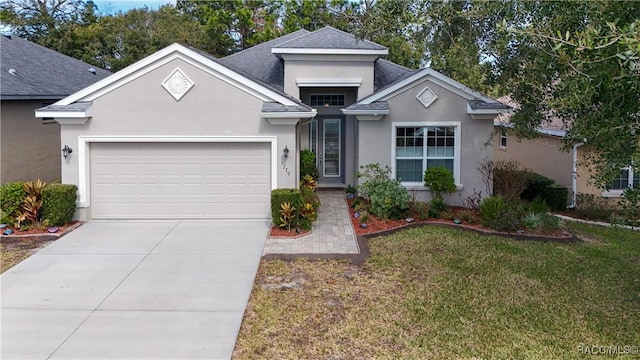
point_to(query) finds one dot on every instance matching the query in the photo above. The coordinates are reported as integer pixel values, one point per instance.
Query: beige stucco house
(32, 76)
(181, 134)
(547, 156)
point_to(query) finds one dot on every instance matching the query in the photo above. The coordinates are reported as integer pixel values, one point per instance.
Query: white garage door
(180, 180)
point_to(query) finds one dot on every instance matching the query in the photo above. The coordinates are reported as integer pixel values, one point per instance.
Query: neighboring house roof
(30, 71)
(552, 125)
(329, 38)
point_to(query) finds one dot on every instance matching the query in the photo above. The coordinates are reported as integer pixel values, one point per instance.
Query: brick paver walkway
(331, 234)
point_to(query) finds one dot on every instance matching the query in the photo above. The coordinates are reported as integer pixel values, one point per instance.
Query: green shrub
(556, 197)
(508, 220)
(388, 198)
(281, 196)
(58, 203)
(533, 221)
(438, 204)
(536, 186)
(308, 164)
(630, 206)
(538, 206)
(11, 197)
(491, 208)
(439, 180)
(467, 216)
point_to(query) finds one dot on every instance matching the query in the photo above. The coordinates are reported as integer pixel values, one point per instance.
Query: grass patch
(437, 293)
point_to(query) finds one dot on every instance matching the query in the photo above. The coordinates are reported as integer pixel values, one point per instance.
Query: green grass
(435, 293)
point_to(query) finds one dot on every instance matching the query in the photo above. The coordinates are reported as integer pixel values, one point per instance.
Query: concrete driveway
(133, 290)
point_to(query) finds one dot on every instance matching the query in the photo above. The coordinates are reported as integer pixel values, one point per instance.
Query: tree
(579, 61)
(41, 21)
(233, 25)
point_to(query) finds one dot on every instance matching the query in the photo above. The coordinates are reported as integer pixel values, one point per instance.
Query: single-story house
(181, 134)
(33, 76)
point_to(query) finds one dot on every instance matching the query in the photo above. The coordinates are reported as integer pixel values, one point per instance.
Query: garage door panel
(180, 180)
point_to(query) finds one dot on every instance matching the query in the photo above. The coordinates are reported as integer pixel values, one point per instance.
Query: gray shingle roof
(330, 38)
(41, 73)
(376, 105)
(250, 76)
(79, 106)
(276, 107)
(480, 104)
(387, 73)
(259, 62)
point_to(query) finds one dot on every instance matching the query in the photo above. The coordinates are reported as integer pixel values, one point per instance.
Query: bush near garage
(11, 197)
(301, 211)
(58, 203)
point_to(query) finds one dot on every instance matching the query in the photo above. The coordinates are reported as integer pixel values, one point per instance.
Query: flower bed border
(43, 236)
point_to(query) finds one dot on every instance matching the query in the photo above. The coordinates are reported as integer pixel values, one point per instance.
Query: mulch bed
(280, 233)
(377, 226)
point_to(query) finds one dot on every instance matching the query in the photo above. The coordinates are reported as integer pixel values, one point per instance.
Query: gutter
(574, 173)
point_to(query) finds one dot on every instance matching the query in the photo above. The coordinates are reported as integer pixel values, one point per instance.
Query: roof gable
(32, 71)
(176, 51)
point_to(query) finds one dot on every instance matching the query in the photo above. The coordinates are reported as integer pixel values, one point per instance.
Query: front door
(329, 148)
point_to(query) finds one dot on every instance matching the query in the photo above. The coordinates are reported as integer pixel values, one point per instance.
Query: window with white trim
(626, 178)
(326, 99)
(503, 138)
(419, 147)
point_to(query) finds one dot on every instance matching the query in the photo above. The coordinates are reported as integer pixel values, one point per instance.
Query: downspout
(574, 174)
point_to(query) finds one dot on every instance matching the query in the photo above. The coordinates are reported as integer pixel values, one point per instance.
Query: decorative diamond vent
(427, 97)
(177, 84)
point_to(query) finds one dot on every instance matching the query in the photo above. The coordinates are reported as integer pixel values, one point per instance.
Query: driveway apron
(133, 290)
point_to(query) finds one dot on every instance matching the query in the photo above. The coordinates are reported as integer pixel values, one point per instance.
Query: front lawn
(436, 293)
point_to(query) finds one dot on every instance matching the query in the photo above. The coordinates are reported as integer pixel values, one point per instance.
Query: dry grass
(434, 293)
(14, 251)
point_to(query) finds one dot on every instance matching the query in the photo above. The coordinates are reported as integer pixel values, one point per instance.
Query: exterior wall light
(66, 150)
(286, 151)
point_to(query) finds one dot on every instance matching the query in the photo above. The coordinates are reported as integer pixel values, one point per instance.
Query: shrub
(509, 179)
(491, 208)
(533, 221)
(538, 206)
(467, 216)
(509, 220)
(11, 197)
(592, 207)
(58, 203)
(287, 215)
(630, 206)
(351, 189)
(388, 198)
(556, 196)
(281, 196)
(421, 209)
(439, 180)
(438, 204)
(308, 164)
(536, 186)
(308, 182)
(31, 204)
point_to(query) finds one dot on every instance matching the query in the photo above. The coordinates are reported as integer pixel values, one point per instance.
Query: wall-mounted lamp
(66, 150)
(286, 151)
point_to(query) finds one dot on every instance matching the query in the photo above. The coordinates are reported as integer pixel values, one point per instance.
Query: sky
(109, 7)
